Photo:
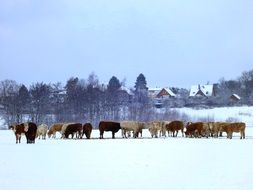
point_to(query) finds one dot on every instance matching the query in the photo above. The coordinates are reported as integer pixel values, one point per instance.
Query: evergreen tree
(141, 89)
(113, 98)
(140, 105)
(140, 83)
(24, 96)
(71, 87)
(114, 84)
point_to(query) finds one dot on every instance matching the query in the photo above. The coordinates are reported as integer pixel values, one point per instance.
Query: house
(234, 98)
(159, 95)
(202, 90)
(152, 92)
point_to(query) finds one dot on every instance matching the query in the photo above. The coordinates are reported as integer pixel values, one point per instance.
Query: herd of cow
(129, 128)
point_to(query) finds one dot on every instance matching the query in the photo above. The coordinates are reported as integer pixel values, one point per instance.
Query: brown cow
(18, 131)
(114, 127)
(87, 129)
(72, 129)
(214, 129)
(229, 128)
(194, 129)
(57, 127)
(175, 126)
(29, 129)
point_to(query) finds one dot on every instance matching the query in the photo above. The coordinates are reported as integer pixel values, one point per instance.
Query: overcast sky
(172, 42)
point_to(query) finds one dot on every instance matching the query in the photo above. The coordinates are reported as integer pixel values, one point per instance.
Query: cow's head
(13, 127)
(188, 123)
(26, 127)
(49, 134)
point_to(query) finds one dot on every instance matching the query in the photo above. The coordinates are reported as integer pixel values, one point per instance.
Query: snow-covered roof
(206, 90)
(128, 90)
(235, 95)
(170, 91)
(155, 91)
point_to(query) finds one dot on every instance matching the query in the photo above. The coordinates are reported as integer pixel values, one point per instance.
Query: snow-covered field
(127, 164)
(242, 113)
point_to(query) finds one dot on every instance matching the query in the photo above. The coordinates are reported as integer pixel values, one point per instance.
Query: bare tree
(9, 100)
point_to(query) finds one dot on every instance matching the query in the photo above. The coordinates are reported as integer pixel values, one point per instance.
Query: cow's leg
(135, 134)
(88, 135)
(113, 135)
(101, 134)
(227, 135)
(176, 133)
(123, 133)
(27, 140)
(230, 135)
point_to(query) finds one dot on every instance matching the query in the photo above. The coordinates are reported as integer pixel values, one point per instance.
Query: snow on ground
(127, 164)
(243, 113)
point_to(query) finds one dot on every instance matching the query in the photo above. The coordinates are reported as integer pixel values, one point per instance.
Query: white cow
(42, 131)
(134, 126)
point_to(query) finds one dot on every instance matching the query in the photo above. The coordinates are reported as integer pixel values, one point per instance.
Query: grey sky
(172, 42)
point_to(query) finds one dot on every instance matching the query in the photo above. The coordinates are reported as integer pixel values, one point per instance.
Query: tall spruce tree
(113, 98)
(140, 105)
(114, 84)
(141, 83)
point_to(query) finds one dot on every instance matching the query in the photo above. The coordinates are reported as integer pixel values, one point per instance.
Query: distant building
(234, 98)
(128, 90)
(202, 90)
(159, 95)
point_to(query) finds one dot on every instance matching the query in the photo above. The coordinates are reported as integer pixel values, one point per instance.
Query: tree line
(87, 100)
(80, 100)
